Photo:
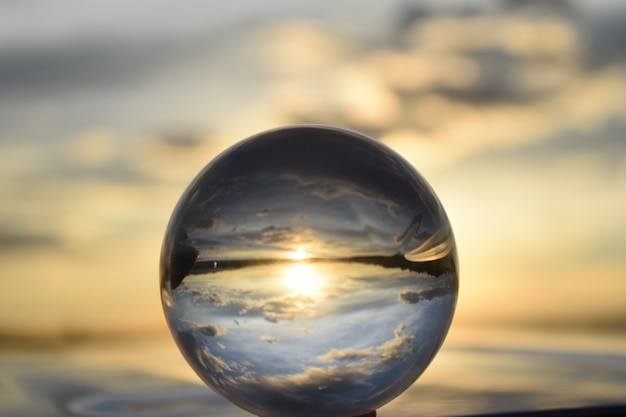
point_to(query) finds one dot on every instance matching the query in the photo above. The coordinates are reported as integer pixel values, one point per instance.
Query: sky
(514, 112)
(264, 339)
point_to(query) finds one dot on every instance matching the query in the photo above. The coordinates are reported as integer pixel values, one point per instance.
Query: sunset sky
(515, 112)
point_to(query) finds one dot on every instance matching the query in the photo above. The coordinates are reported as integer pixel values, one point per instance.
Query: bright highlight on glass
(302, 279)
(309, 271)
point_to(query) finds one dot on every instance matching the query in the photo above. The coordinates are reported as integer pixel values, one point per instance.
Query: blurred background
(513, 110)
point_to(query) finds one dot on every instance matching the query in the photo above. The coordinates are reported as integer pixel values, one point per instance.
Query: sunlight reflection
(303, 280)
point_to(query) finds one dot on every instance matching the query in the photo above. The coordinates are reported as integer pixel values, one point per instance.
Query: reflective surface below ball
(309, 271)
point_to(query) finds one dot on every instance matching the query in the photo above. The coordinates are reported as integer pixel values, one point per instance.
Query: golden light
(302, 279)
(298, 255)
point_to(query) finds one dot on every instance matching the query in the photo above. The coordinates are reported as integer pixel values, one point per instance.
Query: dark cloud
(412, 297)
(205, 223)
(209, 330)
(446, 284)
(90, 63)
(284, 236)
(181, 138)
(606, 143)
(541, 7)
(16, 240)
(606, 37)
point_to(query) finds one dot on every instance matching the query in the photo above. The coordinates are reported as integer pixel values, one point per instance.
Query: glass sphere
(309, 271)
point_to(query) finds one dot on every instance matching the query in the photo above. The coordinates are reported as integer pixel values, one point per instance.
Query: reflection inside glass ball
(309, 271)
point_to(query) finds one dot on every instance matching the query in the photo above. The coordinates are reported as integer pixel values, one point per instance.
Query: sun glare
(298, 255)
(302, 279)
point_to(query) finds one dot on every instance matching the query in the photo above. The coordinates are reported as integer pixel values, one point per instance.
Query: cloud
(284, 236)
(209, 330)
(420, 243)
(40, 69)
(217, 368)
(305, 330)
(212, 362)
(350, 373)
(396, 349)
(318, 379)
(286, 308)
(211, 294)
(412, 297)
(606, 37)
(269, 339)
(445, 284)
(20, 240)
(316, 391)
(249, 303)
(604, 143)
(346, 354)
(204, 223)
(335, 190)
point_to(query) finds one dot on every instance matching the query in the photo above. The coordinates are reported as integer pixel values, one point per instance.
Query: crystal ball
(309, 271)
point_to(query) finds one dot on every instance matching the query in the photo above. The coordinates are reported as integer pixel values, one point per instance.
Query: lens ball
(309, 271)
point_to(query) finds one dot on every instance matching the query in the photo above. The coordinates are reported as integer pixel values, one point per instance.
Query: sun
(298, 255)
(302, 279)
